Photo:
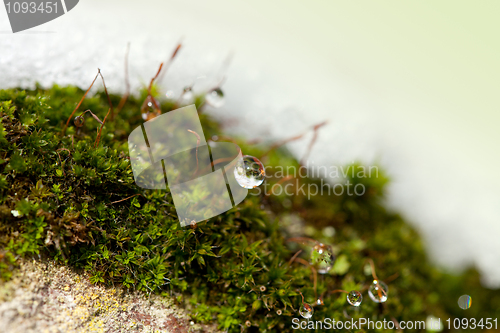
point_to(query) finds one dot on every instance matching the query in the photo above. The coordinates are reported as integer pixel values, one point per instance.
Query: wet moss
(61, 197)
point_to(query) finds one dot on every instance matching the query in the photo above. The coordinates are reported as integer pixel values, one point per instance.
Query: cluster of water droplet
(378, 291)
(249, 172)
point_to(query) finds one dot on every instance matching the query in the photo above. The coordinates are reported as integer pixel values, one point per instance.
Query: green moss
(63, 198)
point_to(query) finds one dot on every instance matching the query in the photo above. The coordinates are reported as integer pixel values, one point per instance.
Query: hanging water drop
(149, 109)
(378, 291)
(249, 172)
(215, 98)
(187, 96)
(79, 121)
(306, 311)
(464, 302)
(322, 258)
(354, 298)
(170, 94)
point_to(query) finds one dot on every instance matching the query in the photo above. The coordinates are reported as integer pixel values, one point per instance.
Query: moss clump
(63, 198)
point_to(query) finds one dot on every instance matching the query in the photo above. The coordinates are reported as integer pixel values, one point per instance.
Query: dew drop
(249, 172)
(378, 291)
(464, 302)
(187, 95)
(306, 311)
(354, 298)
(148, 109)
(170, 94)
(322, 258)
(79, 121)
(215, 98)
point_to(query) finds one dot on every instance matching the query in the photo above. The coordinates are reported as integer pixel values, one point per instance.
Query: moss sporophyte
(68, 193)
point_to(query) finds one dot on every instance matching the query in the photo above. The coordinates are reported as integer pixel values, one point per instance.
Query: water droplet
(319, 301)
(378, 291)
(306, 311)
(249, 172)
(215, 98)
(464, 302)
(148, 109)
(322, 258)
(354, 298)
(170, 94)
(79, 121)
(187, 96)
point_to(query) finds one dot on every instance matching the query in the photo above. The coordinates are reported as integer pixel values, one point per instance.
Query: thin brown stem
(339, 291)
(60, 160)
(301, 295)
(372, 265)
(396, 323)
(198, 139)
(150, 87)
(124, 98)
(315, 128)
(169, 61)
(93, 116)
(80, 103)
(69, 151)
(392, 278)
(281, 143)
(110, 110)
(100, 129)
(106, 91)
(294, 256)
(124, 199)
(302, 240)
(313, 141)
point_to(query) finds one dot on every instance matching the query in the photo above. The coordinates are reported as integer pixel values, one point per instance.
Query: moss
(61, 197)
